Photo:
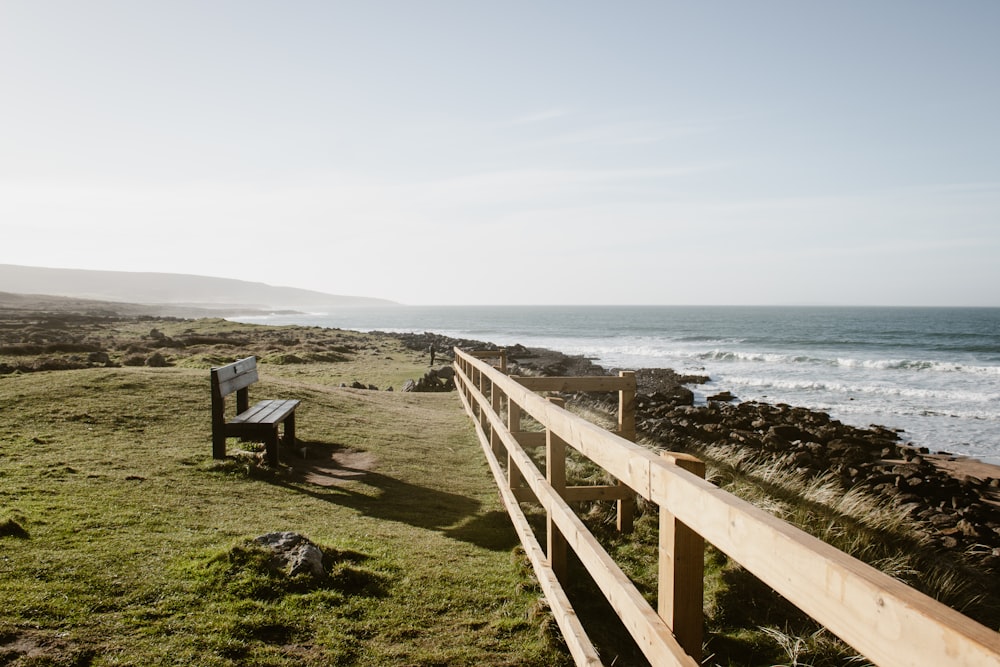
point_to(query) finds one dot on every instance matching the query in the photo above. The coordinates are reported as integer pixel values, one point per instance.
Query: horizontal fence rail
(888, 622)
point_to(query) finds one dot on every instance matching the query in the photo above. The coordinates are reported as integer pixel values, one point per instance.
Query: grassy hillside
(123, 543)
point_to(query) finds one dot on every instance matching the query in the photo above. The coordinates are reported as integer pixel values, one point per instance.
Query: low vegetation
(122, 542)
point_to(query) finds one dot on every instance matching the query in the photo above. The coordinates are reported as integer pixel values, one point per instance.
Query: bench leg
(218, 444)
(271, 446)
(290, 431)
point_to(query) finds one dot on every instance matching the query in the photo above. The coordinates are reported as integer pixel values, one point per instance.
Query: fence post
(474, 382)
(626, 407)
(626, 427)
(483, 418)
(555, 475)
(514, 426)
(495, 403)
(503, 360)
(682, 570)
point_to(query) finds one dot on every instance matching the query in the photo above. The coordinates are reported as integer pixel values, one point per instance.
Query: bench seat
(263, 414)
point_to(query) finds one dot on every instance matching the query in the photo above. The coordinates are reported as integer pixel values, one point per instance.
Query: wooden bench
(258, 423)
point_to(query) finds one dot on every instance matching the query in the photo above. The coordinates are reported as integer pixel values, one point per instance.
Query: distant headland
(189, 295)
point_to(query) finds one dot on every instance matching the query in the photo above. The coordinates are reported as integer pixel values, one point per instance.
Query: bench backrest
(233, 377)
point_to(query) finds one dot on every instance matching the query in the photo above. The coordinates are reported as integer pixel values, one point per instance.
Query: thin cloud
(605, 133)
(539, 117)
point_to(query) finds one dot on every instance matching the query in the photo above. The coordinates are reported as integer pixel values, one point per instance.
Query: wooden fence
(883, 619)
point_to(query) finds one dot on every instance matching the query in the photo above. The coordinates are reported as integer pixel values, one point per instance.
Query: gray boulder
(293, 553)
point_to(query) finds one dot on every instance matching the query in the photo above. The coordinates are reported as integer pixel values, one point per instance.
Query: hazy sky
(467, 152)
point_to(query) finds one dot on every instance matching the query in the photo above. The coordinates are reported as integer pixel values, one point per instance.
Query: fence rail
(885, 620)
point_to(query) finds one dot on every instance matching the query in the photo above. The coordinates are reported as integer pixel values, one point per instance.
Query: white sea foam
(882, 390)
(918, 365)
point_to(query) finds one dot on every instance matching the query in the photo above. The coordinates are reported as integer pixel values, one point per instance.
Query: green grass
(124, 543)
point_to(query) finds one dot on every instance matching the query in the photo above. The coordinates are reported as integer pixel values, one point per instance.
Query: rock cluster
(443, 345)
(439, 379)
(523, 360)
(360, 385)
(958, 514)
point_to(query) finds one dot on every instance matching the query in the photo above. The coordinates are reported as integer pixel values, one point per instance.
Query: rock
(677, 395)
(967, 529)
(99, 358)
(433, 380)
(157, 360)
(787, 433)
(293, 553)
(134, 360)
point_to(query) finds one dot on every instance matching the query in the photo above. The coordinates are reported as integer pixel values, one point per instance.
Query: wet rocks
(952, 510)
(959, 514)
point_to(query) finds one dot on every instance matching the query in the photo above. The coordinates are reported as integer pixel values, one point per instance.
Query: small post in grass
(496, 403)
(555, 475)
(626, 428)
(514, 479)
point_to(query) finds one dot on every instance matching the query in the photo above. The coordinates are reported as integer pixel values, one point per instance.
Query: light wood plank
(682, 570)
(597, 492)
(531, 439)
(573, 384)
(235, 376)
(555, 477)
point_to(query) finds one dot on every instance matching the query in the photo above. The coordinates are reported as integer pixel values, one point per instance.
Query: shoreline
(650, 381)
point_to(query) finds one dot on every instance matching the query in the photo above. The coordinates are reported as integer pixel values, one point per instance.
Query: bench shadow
(324, 470)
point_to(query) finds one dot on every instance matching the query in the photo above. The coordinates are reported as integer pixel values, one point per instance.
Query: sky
(518, 152)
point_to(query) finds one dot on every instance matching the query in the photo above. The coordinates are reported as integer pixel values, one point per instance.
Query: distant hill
(170, 289)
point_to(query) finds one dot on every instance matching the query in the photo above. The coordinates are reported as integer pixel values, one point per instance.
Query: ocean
(934, 373)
